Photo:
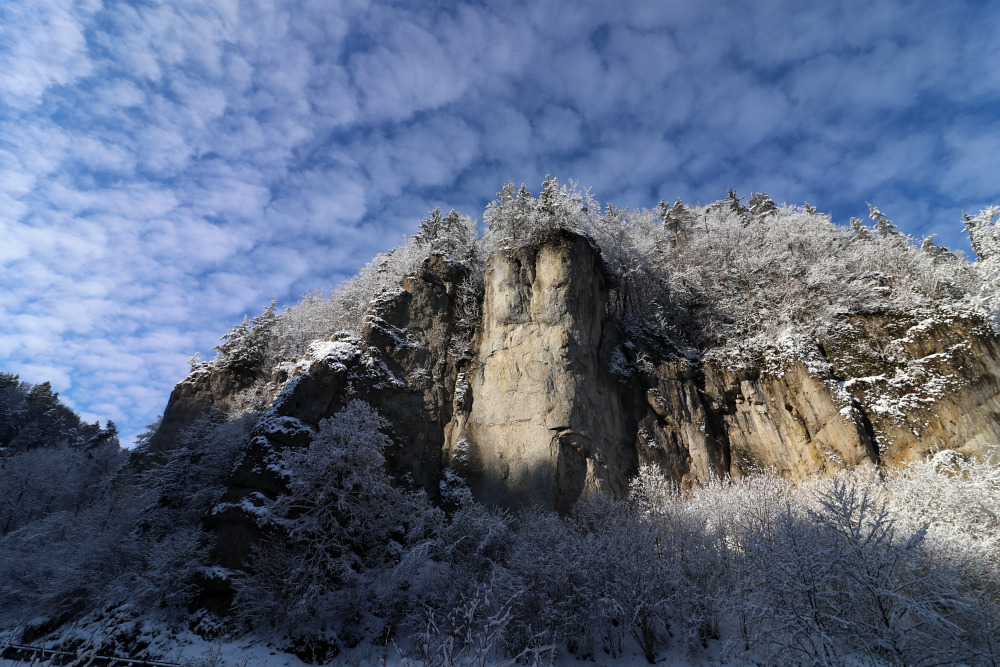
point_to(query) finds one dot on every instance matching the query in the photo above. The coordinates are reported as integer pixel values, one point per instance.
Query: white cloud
(45, 47)
(165, 168)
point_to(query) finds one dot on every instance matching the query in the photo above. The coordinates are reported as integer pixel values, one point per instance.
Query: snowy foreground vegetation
(895, 567)
(899, 568)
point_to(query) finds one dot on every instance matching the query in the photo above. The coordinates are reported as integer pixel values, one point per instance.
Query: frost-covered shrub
(721, 520)
(475, 539)
(39, 482)
(593, 582)
(60, 566)
(555, 607)
(470, 631)
(892, 602)
(179, 492)
(957, 501)
(826, 573)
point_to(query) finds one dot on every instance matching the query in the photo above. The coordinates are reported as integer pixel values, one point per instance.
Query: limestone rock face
(925, 382)
(540, 417)
(709, 422)
(795, 423)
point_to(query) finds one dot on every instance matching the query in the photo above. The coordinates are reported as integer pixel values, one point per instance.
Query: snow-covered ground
(193, 651)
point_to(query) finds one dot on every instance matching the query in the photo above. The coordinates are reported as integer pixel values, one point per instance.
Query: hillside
(597, 425)
(49, 459)
(553, 357)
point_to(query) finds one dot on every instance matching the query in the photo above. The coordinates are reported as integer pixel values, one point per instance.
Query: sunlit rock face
(542, 419)
(552, 400)
(707, 422)
(878, 390)
(925, 382)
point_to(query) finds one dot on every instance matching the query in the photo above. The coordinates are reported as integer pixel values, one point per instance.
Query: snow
(272, 423)
(189, 650)
(461, 390)
(329, 351)
(462, 452)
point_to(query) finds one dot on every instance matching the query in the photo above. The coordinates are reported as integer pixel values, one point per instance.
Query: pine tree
(736, 206)
(761, 205)
(674, 218)
(548, 200)
(247, 345)
(511, 217)
(884, 227)
(984, 235)
(938, 252)
(859, 231)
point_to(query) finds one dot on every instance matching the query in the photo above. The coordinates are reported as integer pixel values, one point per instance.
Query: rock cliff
(552, 401)
(540, 417)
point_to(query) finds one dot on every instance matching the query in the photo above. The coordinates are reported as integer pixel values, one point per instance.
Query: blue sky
(167, 167)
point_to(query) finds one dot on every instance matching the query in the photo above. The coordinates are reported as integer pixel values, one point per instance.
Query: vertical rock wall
(541, 419)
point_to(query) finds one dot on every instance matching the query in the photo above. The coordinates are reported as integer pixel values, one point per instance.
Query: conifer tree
(936, 251)
(510, 217)
(984, 235)
(859, 231)
(430, 228)
(548, 200)
(884, 227)
(761, 205)
(246, 346)
(736, 206)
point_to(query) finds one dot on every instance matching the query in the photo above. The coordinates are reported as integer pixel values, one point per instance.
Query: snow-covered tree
(511, 217)
(860, 231)
(736, 205)
(760, 205)
(246, 347)
(453, 234)
(884, 227)
(984, 235)
(340, 528)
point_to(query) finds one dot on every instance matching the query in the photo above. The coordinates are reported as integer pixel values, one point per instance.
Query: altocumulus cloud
(166, 167)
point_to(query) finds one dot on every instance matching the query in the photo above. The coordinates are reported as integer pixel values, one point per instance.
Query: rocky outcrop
(205, 389)
(316, 387)
(413, 331)
(706, 422)
(539, 417)
(925, 381)
(880, 389)
(551, 401)
(401, 364)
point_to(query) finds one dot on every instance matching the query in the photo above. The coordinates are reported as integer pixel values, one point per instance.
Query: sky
(166, 167)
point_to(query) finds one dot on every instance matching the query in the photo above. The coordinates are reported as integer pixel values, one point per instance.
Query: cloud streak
(166, 167)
